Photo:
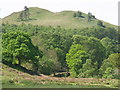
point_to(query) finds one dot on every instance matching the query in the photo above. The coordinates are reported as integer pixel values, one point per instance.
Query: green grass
(53, 86)
(12, 78)
(44, 17)
(29, 84)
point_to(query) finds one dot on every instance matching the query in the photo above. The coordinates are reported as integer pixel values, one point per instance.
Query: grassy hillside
(44, 17)
(54, 43)
(14, 78)
(0, 21)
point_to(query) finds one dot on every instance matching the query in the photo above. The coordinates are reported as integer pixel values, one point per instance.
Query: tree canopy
(18, 48)
(86, 52)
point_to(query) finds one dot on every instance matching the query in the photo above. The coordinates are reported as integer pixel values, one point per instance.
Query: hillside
(64, 19)
(67, 49)
(14, 78)
(0, 21)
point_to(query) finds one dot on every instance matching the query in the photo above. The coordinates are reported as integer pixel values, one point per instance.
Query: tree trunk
(54, 73)
(19, 62)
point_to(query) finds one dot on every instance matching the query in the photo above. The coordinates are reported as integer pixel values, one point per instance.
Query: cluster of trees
(77, 14)
(88, 52)
(25, 14)
(89, 17)
(87, 57)
(17, 48)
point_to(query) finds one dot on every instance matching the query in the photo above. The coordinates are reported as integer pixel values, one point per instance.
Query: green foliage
(100, 32)
(18, 48)
(110, 45)
(114, 59)
(75, 58)
(90, 17)
(46, 66)
(108, 73)
(96, 50)
(78, 14)
(85, 48)
(92, 46)
(78, 39)
(89, 69)
(59, 43)
(63, 48)
(64, 34)
(104, 66)
(100, 23)
(17, 44)
(109, 67)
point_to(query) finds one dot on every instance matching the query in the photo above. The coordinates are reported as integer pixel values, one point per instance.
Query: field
(13, 78)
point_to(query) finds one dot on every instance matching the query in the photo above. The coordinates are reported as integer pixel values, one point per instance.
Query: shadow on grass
(20, 68)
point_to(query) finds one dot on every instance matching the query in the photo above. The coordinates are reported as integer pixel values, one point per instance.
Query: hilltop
(64, 19)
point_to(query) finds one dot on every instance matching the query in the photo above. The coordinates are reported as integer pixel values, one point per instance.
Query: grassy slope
(0, 21)
(44, 17)
(13, 78)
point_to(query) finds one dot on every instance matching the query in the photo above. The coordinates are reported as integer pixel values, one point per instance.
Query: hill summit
(65, 19)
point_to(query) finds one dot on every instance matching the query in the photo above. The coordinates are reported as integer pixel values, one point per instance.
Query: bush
(46, 66)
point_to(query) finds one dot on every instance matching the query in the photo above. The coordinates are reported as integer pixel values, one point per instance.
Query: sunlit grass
(44, 17)
(13, 78)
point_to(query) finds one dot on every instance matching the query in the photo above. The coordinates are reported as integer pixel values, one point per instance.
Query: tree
(100, 23)
(89, 69)
(110, 45)
(104, 66)
(89, 17)
(21, 16)
(78, 39)
(110, 66)
(96, 50)
(92, 46)
(18, 49)
(52, 55)
(109, 73)
(75, 58)
(106, 70)
(74, 15)
(79, 14)
(26, 11)
(46, 66)
(24, 15)
(114, 59)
